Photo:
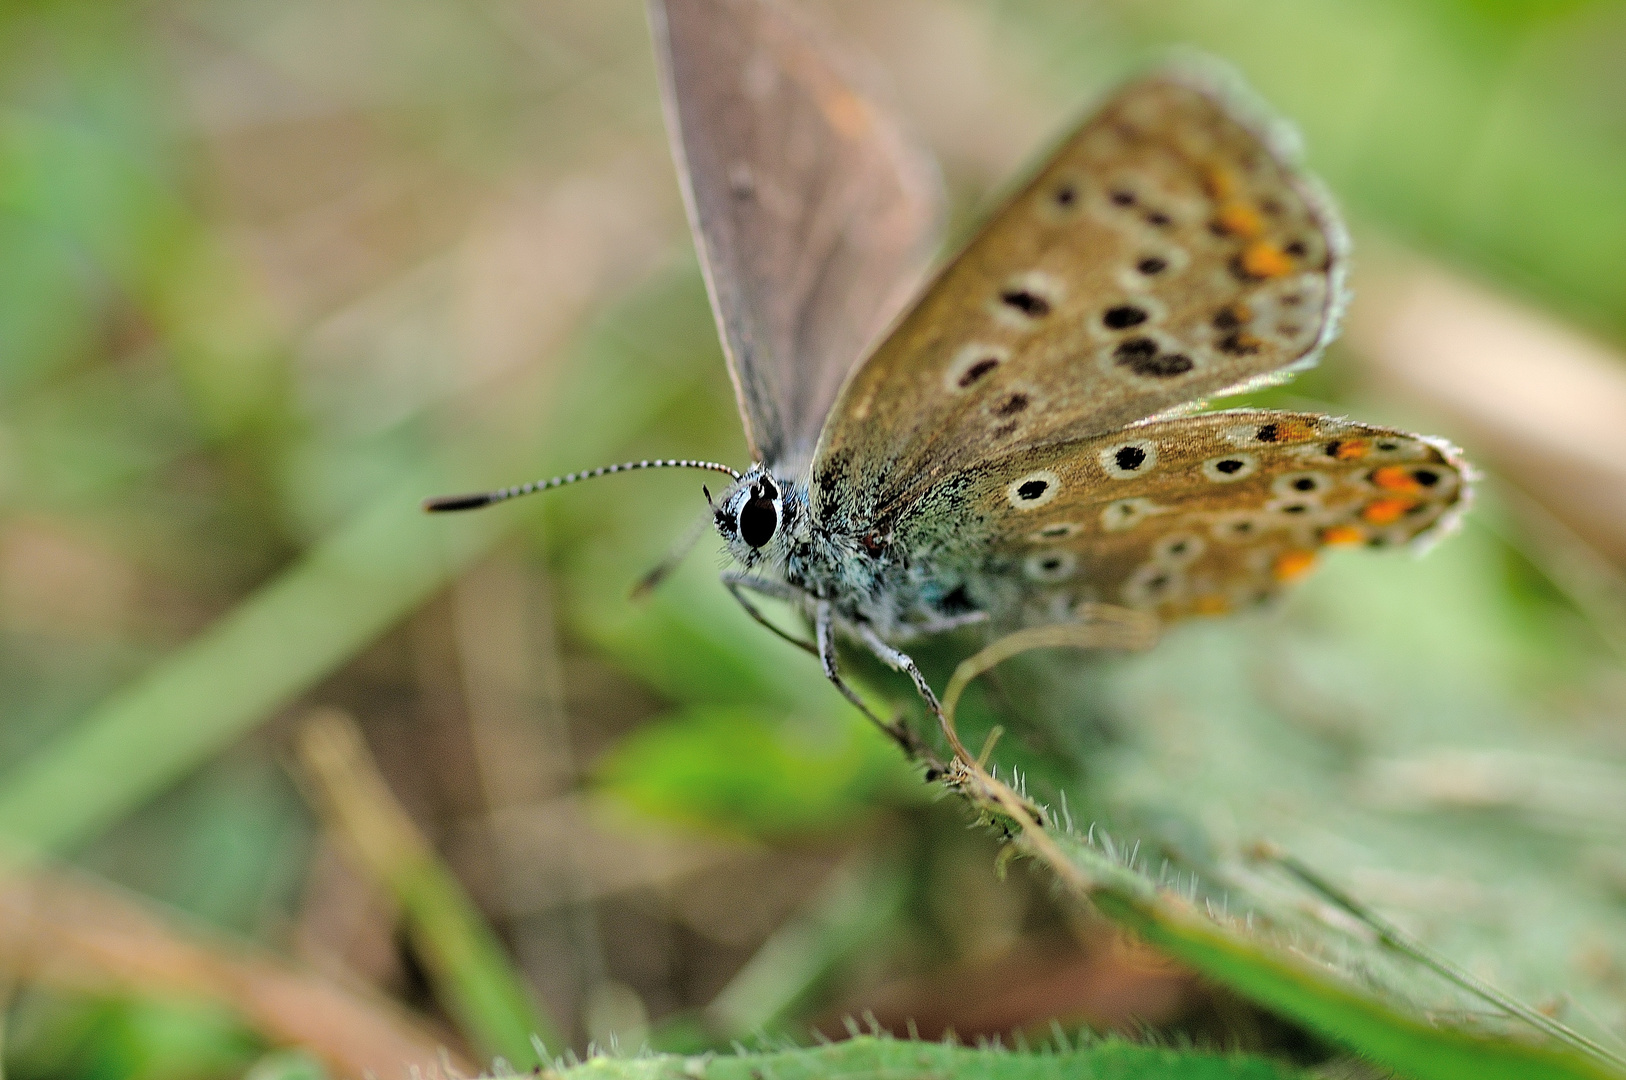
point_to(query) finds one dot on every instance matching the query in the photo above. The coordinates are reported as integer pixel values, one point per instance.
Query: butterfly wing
(1193, 515)
(811, 210)
(1168, 250)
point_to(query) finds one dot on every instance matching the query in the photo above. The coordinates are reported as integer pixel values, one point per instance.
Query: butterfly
(1016, 444)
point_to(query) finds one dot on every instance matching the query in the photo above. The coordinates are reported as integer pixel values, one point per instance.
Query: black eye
(758, 520)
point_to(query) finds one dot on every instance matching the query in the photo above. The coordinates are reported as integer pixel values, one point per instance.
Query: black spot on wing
(1141, 356)
(978, 370)
(1130, 458)
(1027, 302)
(1123, 317)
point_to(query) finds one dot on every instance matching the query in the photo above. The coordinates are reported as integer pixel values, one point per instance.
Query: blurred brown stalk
(68, 932)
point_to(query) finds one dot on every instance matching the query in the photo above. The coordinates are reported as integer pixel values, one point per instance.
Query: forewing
(1194, 515)
(811, 210)
(1168, 250)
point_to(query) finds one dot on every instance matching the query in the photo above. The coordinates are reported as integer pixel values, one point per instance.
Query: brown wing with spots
(813, 213)
(1205, 514)
(1167, 251)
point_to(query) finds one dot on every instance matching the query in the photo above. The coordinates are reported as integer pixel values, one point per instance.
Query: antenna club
(444, 504)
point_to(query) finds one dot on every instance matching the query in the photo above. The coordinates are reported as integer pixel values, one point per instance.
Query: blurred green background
(270, 273)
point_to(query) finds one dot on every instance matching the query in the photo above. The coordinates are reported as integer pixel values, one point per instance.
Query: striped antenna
(445, 503)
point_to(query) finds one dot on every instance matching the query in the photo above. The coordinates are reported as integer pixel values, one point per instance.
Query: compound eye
(758, 519)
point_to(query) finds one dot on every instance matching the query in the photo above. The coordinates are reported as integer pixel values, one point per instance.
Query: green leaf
(866, 1058)
(746, 770)
(1378, 738)
(287, 1065)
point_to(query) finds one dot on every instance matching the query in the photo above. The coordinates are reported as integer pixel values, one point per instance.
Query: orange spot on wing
(1294, 431)
(1350, 449)
(1342, 535)
(1395, 478)
(1240, 219)
(1262, 259)
(1210, 605)
(1386, 511)
(1292, 565)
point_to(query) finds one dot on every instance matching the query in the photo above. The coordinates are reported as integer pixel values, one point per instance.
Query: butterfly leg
(824, 631)
(825, 634)
(734, 582)
(898, 660)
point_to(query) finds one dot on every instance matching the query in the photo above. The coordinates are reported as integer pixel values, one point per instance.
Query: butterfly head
(755, 515)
